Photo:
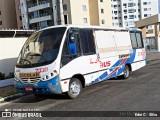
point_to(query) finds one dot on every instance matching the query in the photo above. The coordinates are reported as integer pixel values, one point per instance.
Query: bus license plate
(29, 89)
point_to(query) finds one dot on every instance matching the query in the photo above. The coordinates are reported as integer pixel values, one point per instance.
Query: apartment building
(37, 14)
(18, 14)
(7, 14)
(127, 12)
(100, 12)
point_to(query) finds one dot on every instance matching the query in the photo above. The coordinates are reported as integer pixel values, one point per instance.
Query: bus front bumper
(51, 86)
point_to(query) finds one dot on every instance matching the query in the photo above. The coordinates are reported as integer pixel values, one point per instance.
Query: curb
(11, 97)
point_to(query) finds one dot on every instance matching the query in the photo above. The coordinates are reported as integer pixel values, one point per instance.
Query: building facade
(127, 12)
(18, 14)
(7, 14)
(37, 14)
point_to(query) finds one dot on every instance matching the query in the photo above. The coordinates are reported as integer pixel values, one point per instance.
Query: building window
(125, 11)
(43, 24)
(84, 7)
(130, 4)
(115, 12)
(125, 17)
(131, 16)
(101, 0)
(65, 7)
(131, 11)
(145, 15)
(102, 10)
(115, 6)
(0, 12)
(145, 9)
(20, 17)
(84, 20)
(0, 22)
(144, 3)
(125, 4)
(103, 21)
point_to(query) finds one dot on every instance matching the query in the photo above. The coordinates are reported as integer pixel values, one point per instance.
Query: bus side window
(139, 40)
(71, 48)
(136, 40)
(87, 42)
(133, 40)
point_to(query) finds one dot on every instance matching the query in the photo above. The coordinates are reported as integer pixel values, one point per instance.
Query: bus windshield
(41, 48)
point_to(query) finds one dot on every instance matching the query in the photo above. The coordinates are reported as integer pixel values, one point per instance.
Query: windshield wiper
(37, 54)
(25, 60)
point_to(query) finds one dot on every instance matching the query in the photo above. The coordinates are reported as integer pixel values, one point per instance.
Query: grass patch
(7, 91)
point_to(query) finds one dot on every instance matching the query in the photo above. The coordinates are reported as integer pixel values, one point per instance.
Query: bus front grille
(28, 81)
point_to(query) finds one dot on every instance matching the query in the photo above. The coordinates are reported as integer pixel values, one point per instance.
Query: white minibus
(66, 58)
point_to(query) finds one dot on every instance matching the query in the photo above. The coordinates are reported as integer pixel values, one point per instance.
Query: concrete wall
(9, 51)
(94, 12)
(77, 12)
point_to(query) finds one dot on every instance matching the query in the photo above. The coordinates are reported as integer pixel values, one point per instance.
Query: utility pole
(58, 12)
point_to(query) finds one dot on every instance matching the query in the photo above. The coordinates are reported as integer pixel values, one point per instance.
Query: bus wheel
(75, 88)
(126, 72)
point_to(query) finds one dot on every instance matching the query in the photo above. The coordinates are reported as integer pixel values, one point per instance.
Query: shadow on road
(36, 99)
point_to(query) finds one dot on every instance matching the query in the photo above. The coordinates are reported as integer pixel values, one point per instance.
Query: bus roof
(92, 27)
(134, 29)
(86, 26)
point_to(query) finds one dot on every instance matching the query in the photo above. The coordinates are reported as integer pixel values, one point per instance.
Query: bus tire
(75, 88)
(126, 72)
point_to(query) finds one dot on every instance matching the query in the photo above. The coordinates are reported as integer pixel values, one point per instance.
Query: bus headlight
(16, 78)
(48, 76)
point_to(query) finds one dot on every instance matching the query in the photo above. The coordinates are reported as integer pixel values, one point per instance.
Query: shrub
(11, 75)
(2, 76)
(148, 47)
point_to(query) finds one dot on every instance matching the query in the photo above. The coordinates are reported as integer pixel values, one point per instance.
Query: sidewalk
(153, 55)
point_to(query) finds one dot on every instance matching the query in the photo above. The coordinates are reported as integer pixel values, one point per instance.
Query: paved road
(141, 92)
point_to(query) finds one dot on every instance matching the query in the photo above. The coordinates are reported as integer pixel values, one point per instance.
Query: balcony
(41, 5)
(42, 17)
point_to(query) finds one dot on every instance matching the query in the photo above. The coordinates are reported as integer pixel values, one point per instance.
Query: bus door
(71, 47)
(79, 56)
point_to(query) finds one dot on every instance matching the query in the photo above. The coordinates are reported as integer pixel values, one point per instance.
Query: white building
(127, 12)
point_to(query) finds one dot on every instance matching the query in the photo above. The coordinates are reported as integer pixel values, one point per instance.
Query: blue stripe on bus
(117, 72)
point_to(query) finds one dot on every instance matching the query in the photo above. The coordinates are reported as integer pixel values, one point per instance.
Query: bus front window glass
(41, 47)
